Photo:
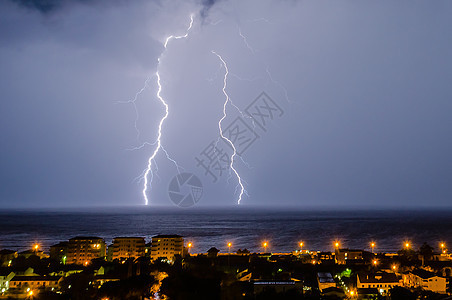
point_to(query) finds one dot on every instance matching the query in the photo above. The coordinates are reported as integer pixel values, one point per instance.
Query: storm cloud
(364, 88)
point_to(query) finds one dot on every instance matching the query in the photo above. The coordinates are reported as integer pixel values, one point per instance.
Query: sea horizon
(244, 226)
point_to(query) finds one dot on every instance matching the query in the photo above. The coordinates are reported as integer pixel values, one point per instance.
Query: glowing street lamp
(407, 245)
(189, 245)
(229, 247)
(337, 244)
(375, 262)
(372, 246)
(394, 268)
(443, 246)
(36, 247)
(265, 245)
(301, 246)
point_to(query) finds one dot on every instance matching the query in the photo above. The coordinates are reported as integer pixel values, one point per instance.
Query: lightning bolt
(227, 100)
(148, 170)
(267, 68)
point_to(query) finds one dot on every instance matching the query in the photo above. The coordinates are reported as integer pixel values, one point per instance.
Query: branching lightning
(267, 68)
(227, 100)
(148, 171)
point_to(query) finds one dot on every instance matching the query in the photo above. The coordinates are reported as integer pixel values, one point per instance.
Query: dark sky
(364, 87)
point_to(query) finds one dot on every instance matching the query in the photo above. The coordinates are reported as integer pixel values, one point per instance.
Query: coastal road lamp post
(229, 252)
(265, 245)
(407, 245)
(372, 246)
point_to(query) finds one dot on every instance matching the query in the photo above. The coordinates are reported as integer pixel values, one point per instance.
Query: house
(23, 282)
(212, 252)
(277, 286)
(426, 280)
(334, 292)
(382, 281)
(368, 293)
(343, 256)
(325, 280)
(5, 277)
(6, 257)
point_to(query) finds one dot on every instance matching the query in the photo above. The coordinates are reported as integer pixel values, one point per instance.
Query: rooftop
(82, 238)
(167, 236)
(325, 277)
(380, 277)
(423, 273)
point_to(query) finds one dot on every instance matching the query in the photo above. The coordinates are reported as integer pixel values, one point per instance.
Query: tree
(426, 251)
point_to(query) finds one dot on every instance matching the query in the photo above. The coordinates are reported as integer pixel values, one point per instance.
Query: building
(277, 286)
(167, 246)
(81, 250)
(5, 278)
(368, 294)
(348, 255)
(7, 257)
(325, 280)
(127, 247)
(59, 252)
(34, 282)
(28, 253)
(382, 281)
(426, 280)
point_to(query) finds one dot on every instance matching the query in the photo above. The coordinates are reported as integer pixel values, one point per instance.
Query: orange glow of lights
(375, 262)
(189, 245)
(407, 245)
(36, 247)
(301, 244)
(336, 244)
(229, 244)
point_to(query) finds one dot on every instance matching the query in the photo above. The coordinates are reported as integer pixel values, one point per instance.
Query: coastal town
(166, 267)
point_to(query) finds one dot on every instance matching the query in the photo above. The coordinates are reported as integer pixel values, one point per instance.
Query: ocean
(244, 227)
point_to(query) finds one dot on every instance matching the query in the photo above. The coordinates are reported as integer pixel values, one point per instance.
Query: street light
(229, 247)
(301, 246)
(189, 245)
(394, 268)
(407, 245)
(337, 244)
(443, 246)
(265, 245)
(372, 246)
(374, 262)
(36, 247)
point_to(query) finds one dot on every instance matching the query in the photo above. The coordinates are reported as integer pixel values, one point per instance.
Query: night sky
(363, 91)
